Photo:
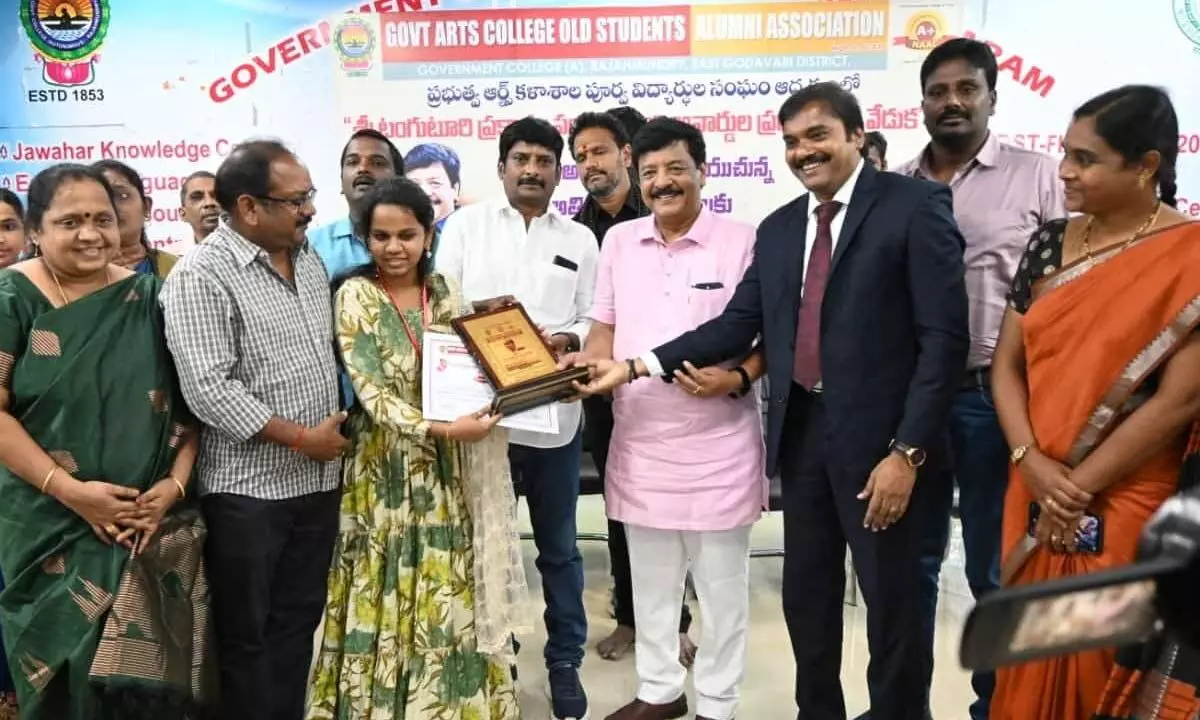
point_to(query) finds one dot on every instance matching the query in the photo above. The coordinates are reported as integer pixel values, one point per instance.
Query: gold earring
(1142, 180)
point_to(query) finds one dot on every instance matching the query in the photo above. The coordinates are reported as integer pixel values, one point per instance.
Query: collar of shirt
(244, 251)
(338, 247)
(988, 156)
(633, 207)
(843, 194)
(698, 233)
(551, 216)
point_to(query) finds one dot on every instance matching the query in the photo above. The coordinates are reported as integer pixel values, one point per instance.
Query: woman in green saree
(105, 602)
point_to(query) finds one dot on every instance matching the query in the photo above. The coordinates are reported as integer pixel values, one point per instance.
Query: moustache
(665, 193)
(363, 180)
(531, 181)
(815, 157)
(952, 115)
(303, 222)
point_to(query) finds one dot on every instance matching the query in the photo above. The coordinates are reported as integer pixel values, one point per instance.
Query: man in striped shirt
(249, 322)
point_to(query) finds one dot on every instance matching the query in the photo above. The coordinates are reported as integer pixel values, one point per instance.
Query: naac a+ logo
(923, 31)
(354, 40)
(1187, 17)
(66, 35)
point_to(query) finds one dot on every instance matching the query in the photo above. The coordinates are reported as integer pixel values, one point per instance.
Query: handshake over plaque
(516, 359)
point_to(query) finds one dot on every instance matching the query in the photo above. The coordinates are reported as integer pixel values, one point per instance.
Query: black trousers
(268, 565)
(821, 516)
(598, 430)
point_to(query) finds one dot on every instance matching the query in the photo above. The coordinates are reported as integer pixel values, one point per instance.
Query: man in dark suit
(857, 294)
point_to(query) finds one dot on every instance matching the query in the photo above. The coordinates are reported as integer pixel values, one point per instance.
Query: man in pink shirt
(685, 466)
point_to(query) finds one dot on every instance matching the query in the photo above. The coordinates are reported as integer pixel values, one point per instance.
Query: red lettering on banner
(1190, 208)
(285, 52)
(881, 118)
(1035, 78)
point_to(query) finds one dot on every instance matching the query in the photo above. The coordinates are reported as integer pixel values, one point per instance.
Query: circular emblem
(65, 30)
(1187, 17)
(354, 39)
(924, 30)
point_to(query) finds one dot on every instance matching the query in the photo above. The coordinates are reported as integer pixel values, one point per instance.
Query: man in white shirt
(519, 249)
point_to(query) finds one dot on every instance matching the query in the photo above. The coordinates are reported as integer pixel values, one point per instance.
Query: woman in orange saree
(1097, 375)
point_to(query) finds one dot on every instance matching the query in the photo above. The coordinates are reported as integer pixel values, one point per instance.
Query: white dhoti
(720, 564)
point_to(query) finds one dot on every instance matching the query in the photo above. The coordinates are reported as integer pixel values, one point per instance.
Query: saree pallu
(89, 633)
(1158, 679)
(1096, 334)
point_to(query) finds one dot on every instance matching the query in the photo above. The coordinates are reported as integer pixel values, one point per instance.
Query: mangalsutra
(61, 293)
(1087, 232)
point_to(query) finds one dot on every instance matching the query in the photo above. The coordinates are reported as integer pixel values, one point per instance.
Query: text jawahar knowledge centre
(627, 29)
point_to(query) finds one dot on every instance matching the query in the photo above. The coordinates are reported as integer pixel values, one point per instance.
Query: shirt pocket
(554, 288)
(708, 298)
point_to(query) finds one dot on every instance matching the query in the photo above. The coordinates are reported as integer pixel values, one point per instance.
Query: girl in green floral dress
(427, 586)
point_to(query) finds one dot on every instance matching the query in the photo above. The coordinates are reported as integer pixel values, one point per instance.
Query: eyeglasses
(297, 203)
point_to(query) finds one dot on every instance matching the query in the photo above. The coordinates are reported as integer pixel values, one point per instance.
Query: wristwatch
(746, 384)
(1018, 454)
(914, 455)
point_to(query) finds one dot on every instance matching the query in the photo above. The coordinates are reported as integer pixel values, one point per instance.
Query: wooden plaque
(517, 361)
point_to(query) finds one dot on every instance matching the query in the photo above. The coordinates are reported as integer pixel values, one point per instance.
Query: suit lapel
(860, 204)
(794, 260)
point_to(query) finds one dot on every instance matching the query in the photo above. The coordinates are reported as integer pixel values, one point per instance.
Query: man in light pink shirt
(1002, 194)
(685, 467)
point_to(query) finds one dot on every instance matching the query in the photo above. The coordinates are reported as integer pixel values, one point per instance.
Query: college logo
(354, 40)
(923, 31)
(1187, 17)
(65, 35)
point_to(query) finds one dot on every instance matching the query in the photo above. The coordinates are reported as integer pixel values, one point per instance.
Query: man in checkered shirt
(249, 321)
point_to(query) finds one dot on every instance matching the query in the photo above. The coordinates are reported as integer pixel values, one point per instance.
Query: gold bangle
(49, 478)
(182, 492)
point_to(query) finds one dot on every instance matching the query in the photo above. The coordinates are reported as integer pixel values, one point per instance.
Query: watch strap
(746, 383)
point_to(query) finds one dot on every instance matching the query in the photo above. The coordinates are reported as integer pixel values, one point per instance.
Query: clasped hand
(122, 514)
(1063, 503)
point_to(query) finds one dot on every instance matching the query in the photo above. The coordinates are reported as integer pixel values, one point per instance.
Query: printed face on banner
(530, 174)
(365, 162)
(957, 103)
(435, 180)
(671, 181)
(820, 151)
(601, 164)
